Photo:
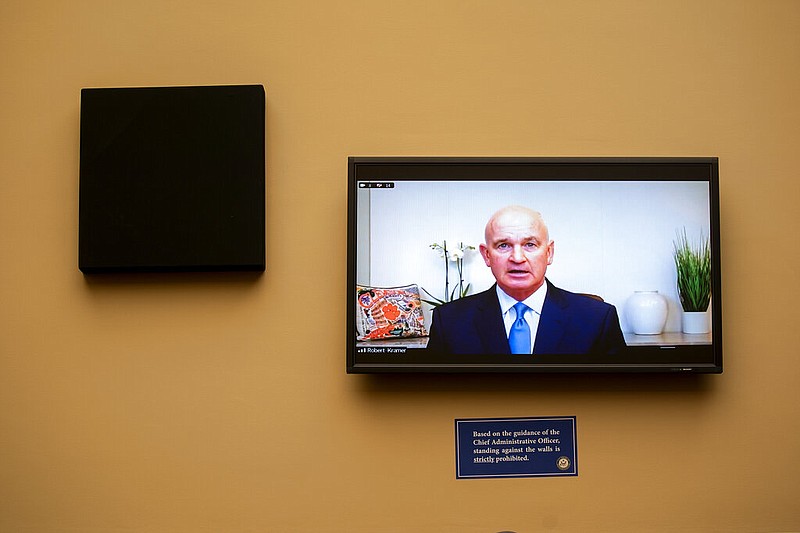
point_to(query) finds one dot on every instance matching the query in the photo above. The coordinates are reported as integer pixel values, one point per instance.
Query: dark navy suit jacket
(569, 324)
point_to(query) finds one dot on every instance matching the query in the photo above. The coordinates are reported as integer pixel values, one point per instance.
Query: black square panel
(172, 179)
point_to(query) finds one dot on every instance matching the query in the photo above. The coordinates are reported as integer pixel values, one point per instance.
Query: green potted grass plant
(693, 265)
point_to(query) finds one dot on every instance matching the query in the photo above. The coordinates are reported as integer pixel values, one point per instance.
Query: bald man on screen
(523, 313)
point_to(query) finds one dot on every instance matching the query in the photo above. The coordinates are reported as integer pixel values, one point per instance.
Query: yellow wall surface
(218, 403)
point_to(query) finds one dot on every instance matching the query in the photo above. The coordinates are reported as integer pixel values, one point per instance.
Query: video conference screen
(441, 251)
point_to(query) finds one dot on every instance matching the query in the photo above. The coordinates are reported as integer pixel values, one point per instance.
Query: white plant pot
(696, 322)
(646, 312)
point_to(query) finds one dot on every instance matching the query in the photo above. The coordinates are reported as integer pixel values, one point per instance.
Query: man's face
(518, 250)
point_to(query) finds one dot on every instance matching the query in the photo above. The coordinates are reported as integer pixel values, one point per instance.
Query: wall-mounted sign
(516, 447)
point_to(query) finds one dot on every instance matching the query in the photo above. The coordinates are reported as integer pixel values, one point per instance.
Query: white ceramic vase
(646, 312)
(695, 322)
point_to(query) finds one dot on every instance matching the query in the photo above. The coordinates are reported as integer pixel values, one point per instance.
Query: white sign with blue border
(516, 447)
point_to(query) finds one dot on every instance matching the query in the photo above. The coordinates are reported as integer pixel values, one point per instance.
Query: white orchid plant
(453, 255)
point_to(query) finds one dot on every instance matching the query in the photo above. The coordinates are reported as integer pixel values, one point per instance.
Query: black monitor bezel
(687, 359)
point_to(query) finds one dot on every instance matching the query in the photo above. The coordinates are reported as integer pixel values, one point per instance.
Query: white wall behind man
(611, 238)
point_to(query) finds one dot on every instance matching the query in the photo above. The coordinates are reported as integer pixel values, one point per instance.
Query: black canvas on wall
(172, 179)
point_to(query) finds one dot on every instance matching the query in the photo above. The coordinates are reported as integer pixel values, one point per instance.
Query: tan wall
(195, 403)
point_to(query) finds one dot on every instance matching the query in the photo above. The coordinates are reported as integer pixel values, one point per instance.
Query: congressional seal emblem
(563, 463)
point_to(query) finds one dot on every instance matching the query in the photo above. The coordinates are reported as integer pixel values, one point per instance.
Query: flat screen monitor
(442, 250)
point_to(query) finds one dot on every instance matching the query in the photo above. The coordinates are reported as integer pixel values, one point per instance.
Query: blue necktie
(519, 338)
